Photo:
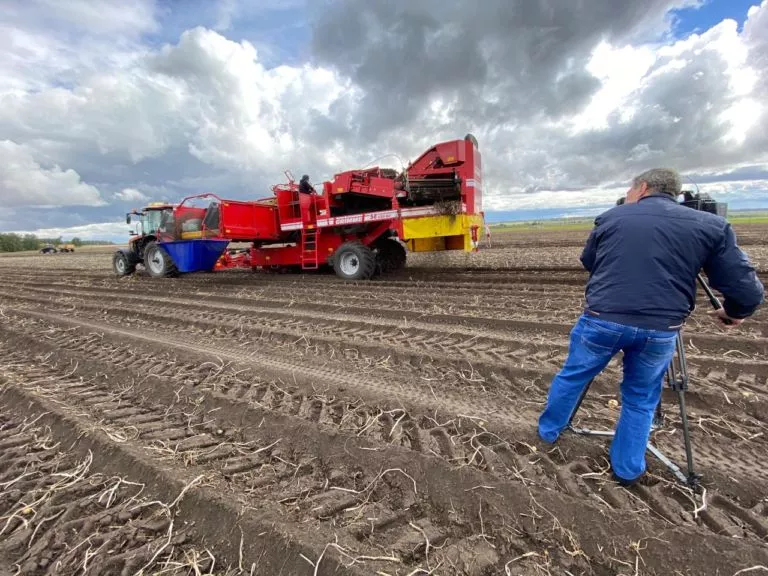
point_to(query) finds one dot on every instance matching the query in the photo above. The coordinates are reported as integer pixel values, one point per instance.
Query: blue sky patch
(712, 12)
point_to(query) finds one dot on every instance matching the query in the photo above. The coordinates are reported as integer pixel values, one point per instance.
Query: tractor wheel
(391, 255)
(157, 261)
(122, 265)
(354, 261)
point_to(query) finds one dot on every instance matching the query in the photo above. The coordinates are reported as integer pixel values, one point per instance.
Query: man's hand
(725, 319)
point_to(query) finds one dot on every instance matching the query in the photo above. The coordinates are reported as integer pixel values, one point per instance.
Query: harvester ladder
(309, 259)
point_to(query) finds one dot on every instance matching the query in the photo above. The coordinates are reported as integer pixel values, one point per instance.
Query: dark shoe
(624, 482)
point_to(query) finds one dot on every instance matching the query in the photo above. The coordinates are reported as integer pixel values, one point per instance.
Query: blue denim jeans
(647, 354)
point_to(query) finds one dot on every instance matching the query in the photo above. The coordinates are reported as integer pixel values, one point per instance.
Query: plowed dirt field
(254, 423)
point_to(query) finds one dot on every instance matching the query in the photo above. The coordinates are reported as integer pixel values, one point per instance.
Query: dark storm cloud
(504, 59)
(514, 70)
(676, 123)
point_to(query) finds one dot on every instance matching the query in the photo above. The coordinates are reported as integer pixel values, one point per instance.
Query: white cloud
(581, 201)
(743, 188)
(105, 17)
(131, 195)
(108, 231)
(543, 199)
(207, 94)
(46, 43)
(225, 11)
(620, 69)
(245, 116)
(626, 72)
(23, 182)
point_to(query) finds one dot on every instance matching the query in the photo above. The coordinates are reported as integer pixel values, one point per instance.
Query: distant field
(95, 248)
(543, 225)
(759, 218)
(580, 224)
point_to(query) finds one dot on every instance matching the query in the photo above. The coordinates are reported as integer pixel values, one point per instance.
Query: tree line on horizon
(11, 242)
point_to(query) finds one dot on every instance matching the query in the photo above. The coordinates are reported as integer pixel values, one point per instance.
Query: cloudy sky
(105, 104)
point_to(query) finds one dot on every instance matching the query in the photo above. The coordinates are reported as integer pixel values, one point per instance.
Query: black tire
(157, 261)
(390, 256)
(354, 261)
(122, 265)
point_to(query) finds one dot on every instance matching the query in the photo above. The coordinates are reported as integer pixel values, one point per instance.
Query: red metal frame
(228, 260)
(295, 229)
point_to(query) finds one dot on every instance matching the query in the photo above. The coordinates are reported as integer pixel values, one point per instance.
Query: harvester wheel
(157, 261)
(354, 261)
(122, 265)
(391, 255)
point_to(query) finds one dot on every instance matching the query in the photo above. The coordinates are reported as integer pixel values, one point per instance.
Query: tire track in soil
(206, 504)
(467, 281)
(663, 501)
(60, 514)
(458, 280)
(301, 488)
(508, 314)
(710, 338)
(510, 365)
(534, 303)
(493, 347)
(312, 499)
(738, 429)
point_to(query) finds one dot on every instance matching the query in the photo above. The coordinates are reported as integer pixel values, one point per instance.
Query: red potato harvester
(362, 223)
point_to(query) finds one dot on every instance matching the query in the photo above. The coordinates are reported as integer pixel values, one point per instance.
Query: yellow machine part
(198, 234)
(446, 232)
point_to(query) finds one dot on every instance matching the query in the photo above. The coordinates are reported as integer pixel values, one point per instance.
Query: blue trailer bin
(195, 255)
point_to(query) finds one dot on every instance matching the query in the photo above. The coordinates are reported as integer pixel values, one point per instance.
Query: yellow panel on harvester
(426, 244)
(436, 233)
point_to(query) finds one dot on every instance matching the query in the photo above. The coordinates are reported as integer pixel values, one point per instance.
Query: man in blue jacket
(643, 258)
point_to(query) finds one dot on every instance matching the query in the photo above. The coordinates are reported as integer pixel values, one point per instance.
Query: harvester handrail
(204, 195)
(203, 226)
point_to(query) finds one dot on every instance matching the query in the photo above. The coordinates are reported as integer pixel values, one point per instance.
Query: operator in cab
(643, 257)
(304, 186)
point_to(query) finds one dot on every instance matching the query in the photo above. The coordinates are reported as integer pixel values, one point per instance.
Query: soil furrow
(541, 313)
(103, 507)
(342, 494)
(322, 501)
(477, 447)
(510, 368)
(383, 427)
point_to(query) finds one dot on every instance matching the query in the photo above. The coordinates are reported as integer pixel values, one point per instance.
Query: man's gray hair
(660, 181)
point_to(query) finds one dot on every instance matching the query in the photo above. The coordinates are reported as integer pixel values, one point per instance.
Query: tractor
(152, 224)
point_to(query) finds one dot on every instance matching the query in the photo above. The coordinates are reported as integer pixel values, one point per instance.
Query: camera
(704, 202)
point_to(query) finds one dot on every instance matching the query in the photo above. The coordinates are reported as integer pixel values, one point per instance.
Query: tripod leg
(579, 401)
(682, 386)
(658, 417)
(686, 433)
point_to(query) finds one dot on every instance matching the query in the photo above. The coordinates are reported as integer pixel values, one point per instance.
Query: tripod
(677, 380)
